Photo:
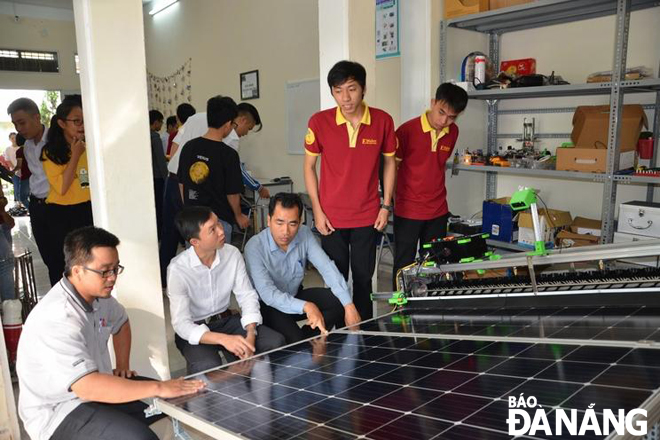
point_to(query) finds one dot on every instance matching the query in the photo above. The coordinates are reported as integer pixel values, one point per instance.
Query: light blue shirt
(277, 275)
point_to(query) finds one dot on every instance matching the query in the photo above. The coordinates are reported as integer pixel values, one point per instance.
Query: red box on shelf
(525, 66)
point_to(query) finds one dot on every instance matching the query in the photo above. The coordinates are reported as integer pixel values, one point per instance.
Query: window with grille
(28, 61)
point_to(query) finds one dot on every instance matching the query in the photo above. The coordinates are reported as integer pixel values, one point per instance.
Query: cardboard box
(567, 239)
(497, 4)
(620, 237)
(582, 232)
(525, 66)
(586, 226)
(457, 8)
(590, 160)
(591, 124)
(640, 218)
(551, 221)
(497, 220)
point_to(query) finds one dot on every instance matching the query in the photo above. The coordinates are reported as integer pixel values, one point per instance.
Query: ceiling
(60, 4)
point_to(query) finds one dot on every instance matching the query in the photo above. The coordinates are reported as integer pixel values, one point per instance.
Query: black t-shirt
(209, 170)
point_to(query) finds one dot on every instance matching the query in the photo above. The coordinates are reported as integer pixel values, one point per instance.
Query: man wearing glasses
(425, 144)
(69, 389)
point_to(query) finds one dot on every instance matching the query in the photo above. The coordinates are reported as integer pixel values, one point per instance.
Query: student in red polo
(350, 138)
(425, 145)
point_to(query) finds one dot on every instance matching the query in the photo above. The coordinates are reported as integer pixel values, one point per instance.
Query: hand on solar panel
(126, 373)
(351, 316)
(237, 344)
(322, 223)
(179, 387)
(314, 317)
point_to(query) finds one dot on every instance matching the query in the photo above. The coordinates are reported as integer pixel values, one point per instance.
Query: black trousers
(286, 324)
(170, 238)
(107, 421)
(63, 219)
(355, 248)
(159, 187)
(40, 225)
(410, 234)
(203, 357)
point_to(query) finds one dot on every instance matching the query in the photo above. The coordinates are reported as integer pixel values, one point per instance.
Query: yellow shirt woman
(78, 192)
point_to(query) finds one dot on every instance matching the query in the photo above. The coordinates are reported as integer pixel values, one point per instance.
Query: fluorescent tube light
(162, 5)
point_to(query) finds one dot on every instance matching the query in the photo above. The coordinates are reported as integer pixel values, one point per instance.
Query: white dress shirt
(39, 186)
(197, 292)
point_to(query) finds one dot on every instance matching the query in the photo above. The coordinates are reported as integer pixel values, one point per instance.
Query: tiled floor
(23, 240)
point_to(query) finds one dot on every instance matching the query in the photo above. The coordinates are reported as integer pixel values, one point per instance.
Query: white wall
(40, 34)
(225, 38)
(572, 50)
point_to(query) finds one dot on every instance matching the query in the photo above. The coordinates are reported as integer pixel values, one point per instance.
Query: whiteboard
(303, 99)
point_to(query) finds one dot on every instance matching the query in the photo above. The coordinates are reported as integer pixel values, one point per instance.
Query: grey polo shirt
(39, 186)
(63, 339)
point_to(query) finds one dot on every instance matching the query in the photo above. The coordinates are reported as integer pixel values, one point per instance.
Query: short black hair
(155, 115)
(190, 219)
(245, 108)
(171, 121)
(26, 104)
(220, 110)
(453, 95)
(78, 245)
(184, 111)
(345, 70)
(287, 201)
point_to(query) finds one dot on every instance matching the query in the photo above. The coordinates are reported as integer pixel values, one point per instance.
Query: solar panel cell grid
(399, 387)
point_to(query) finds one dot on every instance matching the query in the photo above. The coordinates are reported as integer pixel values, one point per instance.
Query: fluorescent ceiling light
(162, 5)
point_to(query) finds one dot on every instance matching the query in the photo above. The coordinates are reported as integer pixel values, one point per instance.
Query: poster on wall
(387, 28)
(250, 85)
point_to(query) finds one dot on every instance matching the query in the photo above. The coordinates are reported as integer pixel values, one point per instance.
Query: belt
(36, 199)
(173, 176)
(214, 318)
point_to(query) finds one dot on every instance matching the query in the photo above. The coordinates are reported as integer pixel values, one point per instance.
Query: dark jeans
(40, 229)
(410, 234)
(205, 356)
(170, 238)
(159, 185)
(355, 248)
(63, 219)
(328, 304)
(107, 421)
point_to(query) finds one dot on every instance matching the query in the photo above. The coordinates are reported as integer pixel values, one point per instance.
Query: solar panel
(403, 386)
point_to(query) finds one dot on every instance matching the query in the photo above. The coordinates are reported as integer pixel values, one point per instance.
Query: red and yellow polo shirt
(420, 188)
(348, 190)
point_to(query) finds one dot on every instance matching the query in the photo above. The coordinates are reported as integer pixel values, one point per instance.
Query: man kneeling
(68, 388)
(199, 282)
(276, 259)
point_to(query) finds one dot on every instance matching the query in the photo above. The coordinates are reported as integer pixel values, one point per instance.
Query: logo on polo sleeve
(309, 137)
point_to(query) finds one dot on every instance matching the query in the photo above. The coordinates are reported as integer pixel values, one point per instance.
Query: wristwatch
(386, 207)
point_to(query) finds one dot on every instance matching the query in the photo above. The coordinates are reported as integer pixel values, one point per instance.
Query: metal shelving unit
(545, 13)
(554, 174)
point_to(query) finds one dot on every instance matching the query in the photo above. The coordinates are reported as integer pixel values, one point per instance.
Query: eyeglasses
(76, 122)
(107, 273)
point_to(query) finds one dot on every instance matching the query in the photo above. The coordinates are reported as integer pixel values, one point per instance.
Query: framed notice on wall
(250, 85)
(387, 28)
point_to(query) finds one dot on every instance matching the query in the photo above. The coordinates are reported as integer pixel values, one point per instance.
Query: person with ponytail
(65, 163)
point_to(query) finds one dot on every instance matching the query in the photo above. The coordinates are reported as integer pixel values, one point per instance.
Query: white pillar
(415, 25)
(110, 39)
(347, 31)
